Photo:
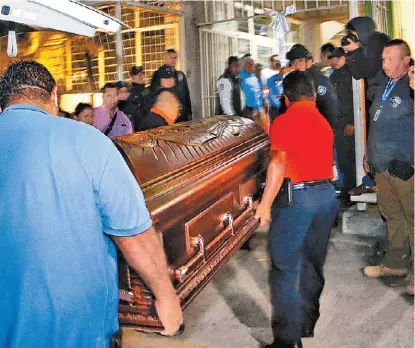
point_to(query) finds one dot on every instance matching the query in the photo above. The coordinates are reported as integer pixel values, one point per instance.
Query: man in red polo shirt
(302, 150)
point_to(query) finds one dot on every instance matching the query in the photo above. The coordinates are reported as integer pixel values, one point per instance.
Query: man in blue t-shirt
(276, 91)
(251, 89)
(67, 197)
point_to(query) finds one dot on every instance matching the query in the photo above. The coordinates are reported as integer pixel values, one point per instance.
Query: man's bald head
(249, 65)
(165, 97)
(169, 104)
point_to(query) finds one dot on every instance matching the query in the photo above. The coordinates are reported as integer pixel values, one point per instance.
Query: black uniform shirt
(152, 120)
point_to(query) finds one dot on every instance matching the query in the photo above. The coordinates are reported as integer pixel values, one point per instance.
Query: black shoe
(282, 344)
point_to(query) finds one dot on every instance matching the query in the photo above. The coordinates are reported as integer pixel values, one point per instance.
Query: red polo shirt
(307, 138)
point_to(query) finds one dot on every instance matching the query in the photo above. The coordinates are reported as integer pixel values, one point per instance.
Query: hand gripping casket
(201, 181)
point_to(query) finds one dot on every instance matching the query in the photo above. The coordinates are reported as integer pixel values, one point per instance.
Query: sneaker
(383, 271)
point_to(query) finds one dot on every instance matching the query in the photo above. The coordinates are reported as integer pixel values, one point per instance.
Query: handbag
(284, 197)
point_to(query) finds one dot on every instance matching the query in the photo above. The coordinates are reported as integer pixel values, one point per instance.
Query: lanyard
(385, 96)
(387, 92)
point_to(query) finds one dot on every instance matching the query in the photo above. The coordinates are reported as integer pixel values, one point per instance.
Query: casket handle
(199, 241)
(228, 219)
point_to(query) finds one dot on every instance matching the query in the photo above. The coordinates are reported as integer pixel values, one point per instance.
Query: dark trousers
(273, 113)
(345, 148)
(298, 240)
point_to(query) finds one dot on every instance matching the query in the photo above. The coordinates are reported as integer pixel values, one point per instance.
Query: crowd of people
(68, 197)
(133, 106)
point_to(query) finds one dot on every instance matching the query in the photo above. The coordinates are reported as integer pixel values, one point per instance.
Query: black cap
(122, 84)
(135, 70)
(297, 52)
(165, 72)
(337, 53)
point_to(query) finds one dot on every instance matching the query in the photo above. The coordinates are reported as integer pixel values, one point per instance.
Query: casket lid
(172, 151)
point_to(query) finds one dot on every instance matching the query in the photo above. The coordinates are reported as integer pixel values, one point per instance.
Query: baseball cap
(122, 84)
(165, 72)
(297, 52)
(135, 70)
(337, 53)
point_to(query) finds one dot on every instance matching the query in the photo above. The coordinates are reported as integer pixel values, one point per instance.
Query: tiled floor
(233, 311)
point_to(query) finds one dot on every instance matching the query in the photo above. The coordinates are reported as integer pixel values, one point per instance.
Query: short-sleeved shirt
(276, 90)
(64, 190)
(307, 138)
(102, 120)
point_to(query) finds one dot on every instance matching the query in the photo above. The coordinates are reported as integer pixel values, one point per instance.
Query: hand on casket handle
(171, 316)
(263, 214)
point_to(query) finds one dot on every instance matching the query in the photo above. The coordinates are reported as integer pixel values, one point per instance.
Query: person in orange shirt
(301, 150)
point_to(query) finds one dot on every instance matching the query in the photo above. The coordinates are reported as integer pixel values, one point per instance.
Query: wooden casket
(201, 181)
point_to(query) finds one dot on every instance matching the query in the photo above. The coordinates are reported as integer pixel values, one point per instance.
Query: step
(364, 223)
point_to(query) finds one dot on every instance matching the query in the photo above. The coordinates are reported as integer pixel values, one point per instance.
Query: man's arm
(126, 219)
(275, 177)
(225, 96)
(128, 123)
(144, 252)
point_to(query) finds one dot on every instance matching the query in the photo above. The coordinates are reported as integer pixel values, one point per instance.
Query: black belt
(304, 184)
(250, 108)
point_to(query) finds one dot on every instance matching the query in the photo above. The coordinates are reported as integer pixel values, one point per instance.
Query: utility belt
(305, 184)
(284, 198)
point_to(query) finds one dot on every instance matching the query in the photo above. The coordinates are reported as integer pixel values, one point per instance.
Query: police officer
(391, 158)
(251, 89)
(229, 89)
(326, 100)
(181, 86)
(344, 127)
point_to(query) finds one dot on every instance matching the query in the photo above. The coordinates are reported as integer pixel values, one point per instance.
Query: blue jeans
(298, 238)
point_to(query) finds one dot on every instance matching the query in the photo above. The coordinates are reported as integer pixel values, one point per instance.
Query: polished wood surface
(201, 181)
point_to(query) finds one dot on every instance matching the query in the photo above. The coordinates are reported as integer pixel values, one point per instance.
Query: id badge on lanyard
(385, 96)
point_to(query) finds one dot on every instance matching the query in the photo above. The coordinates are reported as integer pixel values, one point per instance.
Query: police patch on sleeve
(222, 86)
(395, 101)
(321, 90)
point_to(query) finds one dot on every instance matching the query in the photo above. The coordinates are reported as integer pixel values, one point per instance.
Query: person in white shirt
(229, 89)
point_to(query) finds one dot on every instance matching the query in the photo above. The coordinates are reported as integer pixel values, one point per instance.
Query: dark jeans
(298, 240)
(347, 164)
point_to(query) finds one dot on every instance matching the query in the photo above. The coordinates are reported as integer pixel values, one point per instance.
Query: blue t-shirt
(252, 90)
(64, 189)
(276, 90)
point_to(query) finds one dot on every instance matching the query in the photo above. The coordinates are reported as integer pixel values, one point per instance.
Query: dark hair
(108, 85)
(171, 50)
(327, 48)
(272, 57)
(298, 85)
(402, 43)
(232, 59)
(27, 79)
(64, 113)
(81, 107)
